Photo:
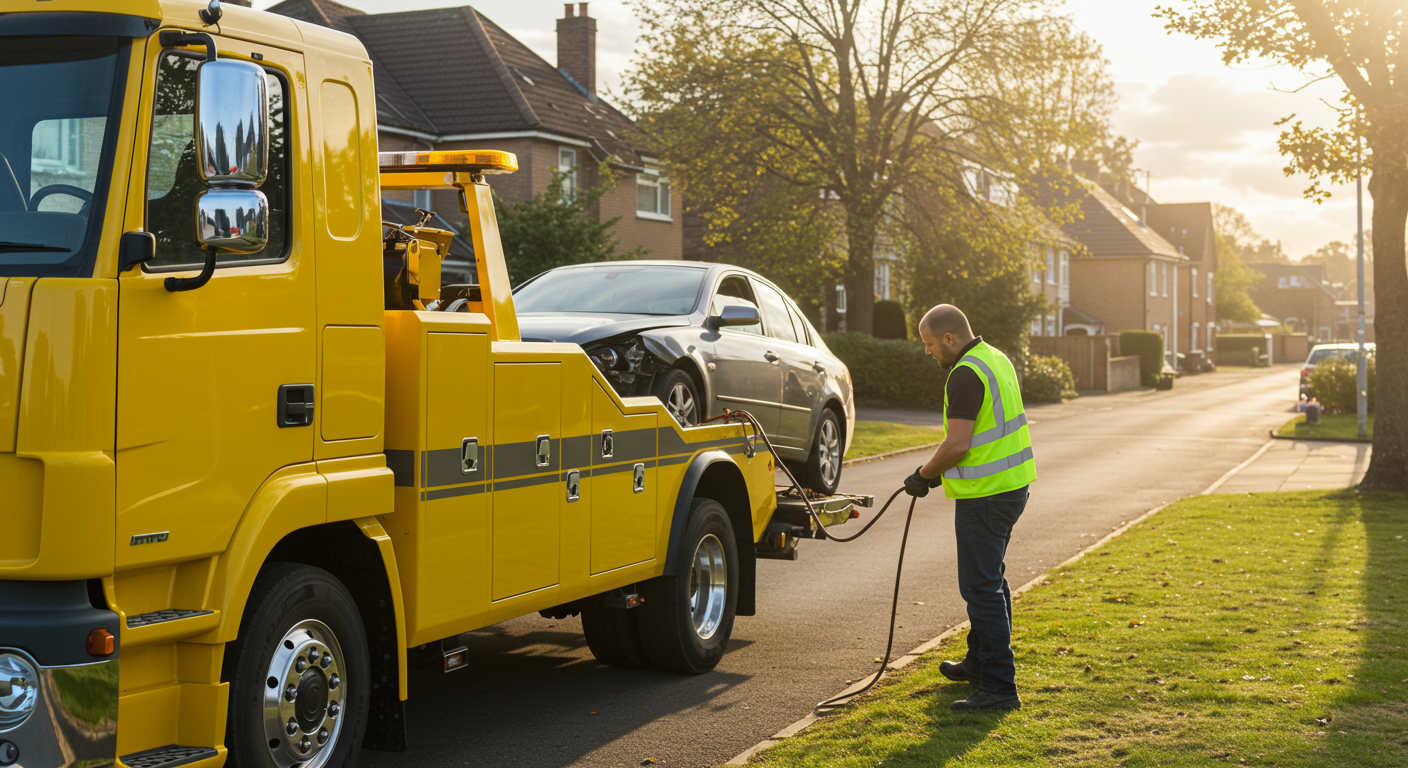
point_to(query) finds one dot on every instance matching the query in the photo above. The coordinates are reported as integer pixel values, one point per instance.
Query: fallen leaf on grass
(1136, 623)
(648, 761)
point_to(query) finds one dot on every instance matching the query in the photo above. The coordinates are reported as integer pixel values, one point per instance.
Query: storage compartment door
(527, 513)
(623, 484)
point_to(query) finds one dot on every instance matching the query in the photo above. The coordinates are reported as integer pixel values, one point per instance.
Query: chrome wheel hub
(303, 696)
(681, 405)
(830, 448)
(708, 587)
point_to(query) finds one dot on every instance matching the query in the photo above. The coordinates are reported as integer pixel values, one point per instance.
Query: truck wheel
(676, 390)
(613, 636)
(688, 616)
(298, 673)
(822, 472)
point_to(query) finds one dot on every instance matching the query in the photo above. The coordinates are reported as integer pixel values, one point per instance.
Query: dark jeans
(984, 526)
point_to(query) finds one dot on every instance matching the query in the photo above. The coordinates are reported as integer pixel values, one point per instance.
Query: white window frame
(654, 180)
(1194, 282)
(1050, 325)
(1193, 338)
(1153, 278)
(1036, 326)
(1165, 272)
(1050, 265)
(1210, 291)
(1065, 269)
(567, 164)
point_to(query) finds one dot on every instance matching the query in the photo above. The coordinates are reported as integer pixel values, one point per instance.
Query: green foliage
(889, 321)
(1334, 382)
(1047, 380)
(1235, 238)
(890, 372)
(87, 691)
(1149, 346)
(555, 228)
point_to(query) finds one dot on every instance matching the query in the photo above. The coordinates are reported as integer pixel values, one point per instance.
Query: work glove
(916, 485)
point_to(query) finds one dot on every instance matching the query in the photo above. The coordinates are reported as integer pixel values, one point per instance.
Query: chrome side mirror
(232, 123)
(737, 314)
(232, 220)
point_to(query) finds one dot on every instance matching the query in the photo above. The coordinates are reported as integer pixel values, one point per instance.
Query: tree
(557, 227)
(1363, 43)
(1233, 235)
(849, 100)
(1341, 267)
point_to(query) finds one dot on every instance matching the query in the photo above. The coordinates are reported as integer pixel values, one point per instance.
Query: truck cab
(254, 454)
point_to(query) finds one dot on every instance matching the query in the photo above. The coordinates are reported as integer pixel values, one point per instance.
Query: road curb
(889, 454)
(899, 663)
(1350, 440)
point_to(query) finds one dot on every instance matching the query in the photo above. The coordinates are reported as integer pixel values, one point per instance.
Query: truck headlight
(19, 690)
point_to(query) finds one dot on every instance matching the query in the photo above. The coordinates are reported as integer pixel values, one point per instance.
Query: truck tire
(677, 391)
(298, 673)
(613, 636)
(822, 471)
(687, 617)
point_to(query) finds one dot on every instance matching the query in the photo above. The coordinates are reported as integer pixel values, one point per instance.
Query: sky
(1206, 131)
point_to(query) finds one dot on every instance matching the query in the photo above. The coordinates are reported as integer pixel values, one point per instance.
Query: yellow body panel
(354, 375)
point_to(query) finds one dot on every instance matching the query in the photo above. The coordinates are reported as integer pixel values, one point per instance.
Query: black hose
(839, 701)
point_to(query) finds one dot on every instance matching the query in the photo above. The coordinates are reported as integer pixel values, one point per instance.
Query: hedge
(891, 372)
(1149, 346)
(1237, 346)
(1048, 379)
(888, 321)
(1334, 382)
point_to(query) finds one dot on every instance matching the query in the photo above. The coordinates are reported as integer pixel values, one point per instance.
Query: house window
(1036, 326)
(1193, 341)
(1153, 279)
(58, 144)
(567, 168)
(1050, 265)
(882, 279)
(1209, 301)
(1050, 325)
(1065, 269)
(1165, 271)
(652, 197)
(420, 198)
(1194, 282)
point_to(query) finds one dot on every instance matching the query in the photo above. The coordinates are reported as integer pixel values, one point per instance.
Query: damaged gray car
(702, 338)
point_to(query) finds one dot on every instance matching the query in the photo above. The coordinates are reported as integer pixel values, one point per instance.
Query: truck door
(527, 513)
(201, 373)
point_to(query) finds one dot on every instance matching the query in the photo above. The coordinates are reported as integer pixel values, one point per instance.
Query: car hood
(584, 328)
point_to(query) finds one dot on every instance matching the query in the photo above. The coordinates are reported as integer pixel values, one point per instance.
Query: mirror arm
(172, 38)
(175, 284)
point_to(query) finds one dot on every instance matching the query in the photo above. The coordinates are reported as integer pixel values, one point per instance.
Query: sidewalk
(1293, 465)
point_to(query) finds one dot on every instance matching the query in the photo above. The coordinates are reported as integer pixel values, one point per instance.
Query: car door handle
(818, 367)
(771, 356)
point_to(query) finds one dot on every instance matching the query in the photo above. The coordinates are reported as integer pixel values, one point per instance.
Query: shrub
(890, 372)
(1048, 379)
(888, 321)
(1149, 346)
(1240, 348)
(1334, 384)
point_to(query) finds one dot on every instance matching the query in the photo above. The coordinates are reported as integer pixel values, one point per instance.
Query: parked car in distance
(1321, 352)
(702, 338)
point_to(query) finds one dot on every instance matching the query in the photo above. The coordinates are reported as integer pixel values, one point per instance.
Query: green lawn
(1232, 630)
(1335, 426)
(872, 437)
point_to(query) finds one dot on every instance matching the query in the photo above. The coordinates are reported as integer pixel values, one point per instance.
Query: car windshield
(55, 130)
(613, 289)
(1318, 356)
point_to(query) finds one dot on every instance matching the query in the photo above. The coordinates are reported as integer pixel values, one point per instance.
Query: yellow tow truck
(253, 453)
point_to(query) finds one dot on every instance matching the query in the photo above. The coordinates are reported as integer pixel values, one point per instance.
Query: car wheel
(823, 467)
(299, 673)
(676, 390)
(687, 617)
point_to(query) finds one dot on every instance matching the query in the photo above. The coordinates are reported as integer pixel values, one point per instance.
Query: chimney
(576, 47)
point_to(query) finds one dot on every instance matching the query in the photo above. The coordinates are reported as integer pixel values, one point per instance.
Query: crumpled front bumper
(74, 722)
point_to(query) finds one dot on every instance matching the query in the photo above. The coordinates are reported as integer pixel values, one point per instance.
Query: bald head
(945, 332)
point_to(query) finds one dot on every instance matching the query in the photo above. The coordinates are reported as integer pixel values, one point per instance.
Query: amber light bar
(480, 161)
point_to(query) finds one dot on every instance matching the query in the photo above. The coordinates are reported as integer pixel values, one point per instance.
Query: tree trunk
(1388, 467)
(860, 271)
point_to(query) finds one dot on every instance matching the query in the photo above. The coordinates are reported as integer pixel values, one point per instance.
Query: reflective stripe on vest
(992, 467)
(1004, 426)
(999, 456)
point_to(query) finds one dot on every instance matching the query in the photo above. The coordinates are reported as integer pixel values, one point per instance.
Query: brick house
(450, 78)
(1297, 295)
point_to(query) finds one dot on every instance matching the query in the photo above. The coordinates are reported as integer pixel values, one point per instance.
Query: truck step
(167, 756)
(159, 617)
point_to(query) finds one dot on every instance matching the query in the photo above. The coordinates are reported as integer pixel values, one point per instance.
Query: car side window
(173, 181)
(799, 324)
(734, 290)
(775, 309)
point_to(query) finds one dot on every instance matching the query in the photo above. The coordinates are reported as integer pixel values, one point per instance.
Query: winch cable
(836, 702)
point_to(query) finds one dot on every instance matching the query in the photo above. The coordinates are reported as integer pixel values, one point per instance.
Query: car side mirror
(736, 314)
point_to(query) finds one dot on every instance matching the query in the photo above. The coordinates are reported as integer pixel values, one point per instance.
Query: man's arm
(951, 450)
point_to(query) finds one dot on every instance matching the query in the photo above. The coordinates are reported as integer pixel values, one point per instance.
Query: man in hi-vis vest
(985, 465)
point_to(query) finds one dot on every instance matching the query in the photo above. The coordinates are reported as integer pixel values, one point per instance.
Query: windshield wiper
(6, 245)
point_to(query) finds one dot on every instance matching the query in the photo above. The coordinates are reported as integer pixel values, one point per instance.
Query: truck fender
(714, 474)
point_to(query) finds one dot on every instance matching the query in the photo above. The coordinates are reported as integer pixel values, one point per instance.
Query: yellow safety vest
(999, 458)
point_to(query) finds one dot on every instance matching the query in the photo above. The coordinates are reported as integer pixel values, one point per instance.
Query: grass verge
(872, 437)
(1231, 630)
(1335, 426)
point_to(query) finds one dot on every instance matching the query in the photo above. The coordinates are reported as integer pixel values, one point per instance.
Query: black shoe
(959, 672)
(981, 699)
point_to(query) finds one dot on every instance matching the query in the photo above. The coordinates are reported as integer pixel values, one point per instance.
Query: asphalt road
(533, 696)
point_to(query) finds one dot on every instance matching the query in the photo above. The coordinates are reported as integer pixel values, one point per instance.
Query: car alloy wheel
(830, 446)
(682, 405)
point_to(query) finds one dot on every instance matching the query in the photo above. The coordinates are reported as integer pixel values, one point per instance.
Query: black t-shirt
(965, 388)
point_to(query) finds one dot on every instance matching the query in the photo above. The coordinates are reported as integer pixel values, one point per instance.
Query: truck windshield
(613, 289)
(57, 130)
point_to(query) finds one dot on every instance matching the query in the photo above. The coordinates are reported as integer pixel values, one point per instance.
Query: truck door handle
(544, 450)
(469, 455)
(295, 405)
(771, 356)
